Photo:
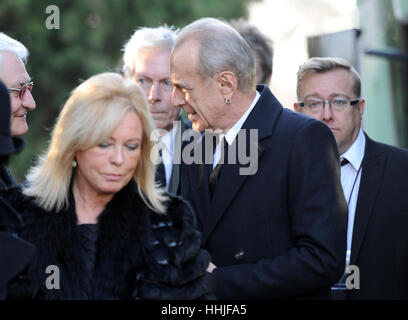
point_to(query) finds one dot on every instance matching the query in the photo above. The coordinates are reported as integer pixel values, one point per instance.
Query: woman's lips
(113, 177)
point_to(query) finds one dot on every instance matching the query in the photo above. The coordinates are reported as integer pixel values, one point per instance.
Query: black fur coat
(141, 254)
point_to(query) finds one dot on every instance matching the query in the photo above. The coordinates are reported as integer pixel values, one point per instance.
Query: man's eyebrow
(333, 95)
(314, 94)
(179, 85)
(21, 83)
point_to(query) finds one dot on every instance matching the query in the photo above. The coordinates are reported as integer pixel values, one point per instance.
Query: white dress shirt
(231, 134)
(351, 183)
(167, 142)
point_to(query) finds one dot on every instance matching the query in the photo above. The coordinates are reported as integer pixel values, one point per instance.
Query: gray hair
(162, 37)
(321, 65)
(221, 48)
(13, 46)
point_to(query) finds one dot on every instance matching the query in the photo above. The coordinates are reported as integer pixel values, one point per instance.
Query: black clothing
(279, 231)
(379, 246)
(15, 253)
(140, 254)
(6, 180)
(89, 235)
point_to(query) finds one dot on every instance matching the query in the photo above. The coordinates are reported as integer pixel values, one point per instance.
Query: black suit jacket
(380, 236)
(15, 253)
(282, 231)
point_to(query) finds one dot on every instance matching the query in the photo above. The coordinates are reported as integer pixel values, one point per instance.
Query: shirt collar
(355, 153)
(231, 134)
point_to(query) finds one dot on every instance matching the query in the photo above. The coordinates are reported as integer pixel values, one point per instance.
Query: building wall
(379, 32)
(289, 23)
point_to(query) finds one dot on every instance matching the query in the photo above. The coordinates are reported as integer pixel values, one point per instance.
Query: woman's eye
(132, 146)
(103, 145)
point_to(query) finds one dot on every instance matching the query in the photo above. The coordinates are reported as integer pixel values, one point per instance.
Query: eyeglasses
(315, 105)
(21, 91)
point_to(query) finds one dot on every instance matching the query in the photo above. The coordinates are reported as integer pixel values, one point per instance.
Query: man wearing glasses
(13, 73)
(147, 62)
(373, 176)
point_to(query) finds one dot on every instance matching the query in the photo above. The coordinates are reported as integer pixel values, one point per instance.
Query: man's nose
(327, 113)
(28, 101)
(154, 93)
(178, 98)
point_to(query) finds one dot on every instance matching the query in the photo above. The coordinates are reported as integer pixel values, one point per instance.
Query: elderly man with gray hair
(275, 232)
(147, 62)
(13, 56)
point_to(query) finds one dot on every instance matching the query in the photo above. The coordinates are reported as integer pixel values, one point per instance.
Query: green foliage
(89, 41)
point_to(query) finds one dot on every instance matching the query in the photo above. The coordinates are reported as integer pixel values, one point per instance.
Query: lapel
(372, 172)
(193, 175)
(263, 117)
(174, 182)
(197, 187)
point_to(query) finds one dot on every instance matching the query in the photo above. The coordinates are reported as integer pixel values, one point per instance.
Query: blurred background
(372, 34)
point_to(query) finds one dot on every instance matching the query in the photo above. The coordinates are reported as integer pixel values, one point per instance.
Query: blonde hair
(88, 118)
(326, 64)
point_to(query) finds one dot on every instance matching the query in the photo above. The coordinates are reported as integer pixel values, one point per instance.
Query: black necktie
(344, 162)
(161, 172)
(174, 179)
(212, 181)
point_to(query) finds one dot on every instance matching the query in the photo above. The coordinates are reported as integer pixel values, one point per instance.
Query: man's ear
(296, 107)
(362, 107)
(228, 83)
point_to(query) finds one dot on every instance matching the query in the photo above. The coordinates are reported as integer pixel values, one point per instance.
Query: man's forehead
(335, 81)
(188, 49)
(12, 70)
(176, 80)
(154, 57)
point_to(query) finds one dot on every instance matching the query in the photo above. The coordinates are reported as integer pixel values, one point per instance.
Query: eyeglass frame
(351, 103)
(23, 89)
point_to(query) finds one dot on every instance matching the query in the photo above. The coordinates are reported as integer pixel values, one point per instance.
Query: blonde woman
(95, 214)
